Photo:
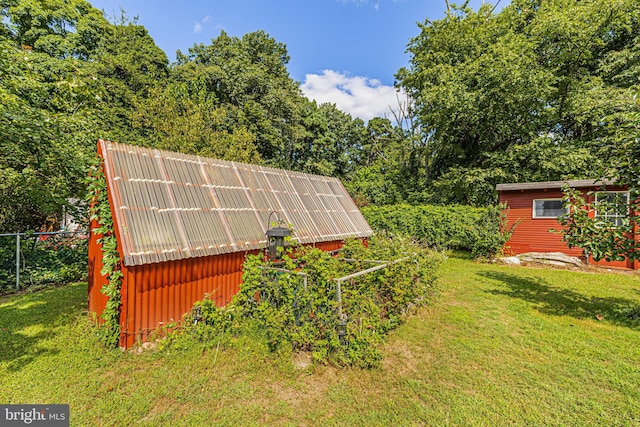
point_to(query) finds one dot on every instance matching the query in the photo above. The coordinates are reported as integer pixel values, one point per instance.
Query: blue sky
(342, 51)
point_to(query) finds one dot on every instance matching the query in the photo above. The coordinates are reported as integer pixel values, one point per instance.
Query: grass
(500, 345)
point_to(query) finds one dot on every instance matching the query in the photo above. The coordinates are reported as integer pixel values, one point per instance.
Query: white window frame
(533, 208)
(612, 218)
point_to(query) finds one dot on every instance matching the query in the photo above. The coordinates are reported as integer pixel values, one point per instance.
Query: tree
(599, 236)
(493, 91)
(42, 155)
(128, 65)
(249, 78)
(389, 167)
(331, 140)
(47, 106)
(185, 117)
(59, 28)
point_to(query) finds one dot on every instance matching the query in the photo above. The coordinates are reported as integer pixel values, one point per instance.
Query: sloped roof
(171, 206)
(573, 183)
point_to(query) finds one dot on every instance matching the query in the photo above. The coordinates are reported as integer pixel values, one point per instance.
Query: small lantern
(276, 237)
(197, 315)
(342, 330)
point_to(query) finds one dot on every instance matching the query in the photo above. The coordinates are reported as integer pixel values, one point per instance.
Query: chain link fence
(41, 259)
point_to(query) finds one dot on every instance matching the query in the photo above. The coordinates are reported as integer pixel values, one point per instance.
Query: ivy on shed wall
(109, 330)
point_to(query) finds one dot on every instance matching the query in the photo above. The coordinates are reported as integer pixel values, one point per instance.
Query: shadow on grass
(552, 300)
(27, 320)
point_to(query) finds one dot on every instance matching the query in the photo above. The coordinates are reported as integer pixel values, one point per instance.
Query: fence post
(17, 261)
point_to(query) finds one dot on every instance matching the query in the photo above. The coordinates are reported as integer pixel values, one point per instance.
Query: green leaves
(545, 80)
(481, 231)
(294, 306)
(248, 81)
(97, 197)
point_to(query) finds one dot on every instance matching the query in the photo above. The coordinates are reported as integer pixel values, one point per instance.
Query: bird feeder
(276, 239)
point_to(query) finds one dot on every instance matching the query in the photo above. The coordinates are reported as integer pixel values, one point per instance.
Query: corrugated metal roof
(173, 206)
(575, 183)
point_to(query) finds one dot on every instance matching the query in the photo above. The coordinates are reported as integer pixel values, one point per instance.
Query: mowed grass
(499, 345)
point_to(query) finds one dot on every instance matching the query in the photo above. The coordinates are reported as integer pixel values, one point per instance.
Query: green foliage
(42, 161)
(127, 66)
(602, 239)
(54, 261)
(294, 306)
(59, 28)
(185, 117)
(526, 94)
(248, 78)
(109, 330)
(392, 164)
(596, 235)
(331, 140)
(478, 230)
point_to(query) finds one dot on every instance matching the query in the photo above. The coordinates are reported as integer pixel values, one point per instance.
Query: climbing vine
(293, 305)
(109, 330)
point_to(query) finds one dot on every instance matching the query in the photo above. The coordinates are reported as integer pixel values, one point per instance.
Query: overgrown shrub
(294, 306)
(481, 231)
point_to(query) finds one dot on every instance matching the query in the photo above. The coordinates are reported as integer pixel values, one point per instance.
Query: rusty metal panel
(160, 293)
(172, 206)
(96, 299)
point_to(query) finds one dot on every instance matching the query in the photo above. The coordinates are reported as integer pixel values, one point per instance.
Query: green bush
(481, 231)
(54, 261)
(288, 313)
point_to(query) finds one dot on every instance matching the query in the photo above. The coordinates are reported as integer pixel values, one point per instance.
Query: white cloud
(198, 26)
(376, 5)
(358, 96)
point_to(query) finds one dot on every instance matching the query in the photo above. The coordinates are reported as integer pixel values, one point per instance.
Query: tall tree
(42, 154)
(494, 91)
(331, 140)
(127, 65)
(184, 116)
(249, 77)
(59, 28)
(47, 106)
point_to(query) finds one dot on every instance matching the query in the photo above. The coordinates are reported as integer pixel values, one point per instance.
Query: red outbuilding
(184, 225)
(533, 208)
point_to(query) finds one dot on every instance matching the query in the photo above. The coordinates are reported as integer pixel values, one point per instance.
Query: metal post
(18, 262)
(339, 298)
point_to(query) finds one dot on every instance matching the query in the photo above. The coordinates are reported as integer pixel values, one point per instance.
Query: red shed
(534, 208)
(184, 225)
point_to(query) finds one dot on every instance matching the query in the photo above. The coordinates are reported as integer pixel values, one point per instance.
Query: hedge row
(478, 230)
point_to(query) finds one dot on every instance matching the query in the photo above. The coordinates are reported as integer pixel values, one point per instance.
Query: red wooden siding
(533, 235)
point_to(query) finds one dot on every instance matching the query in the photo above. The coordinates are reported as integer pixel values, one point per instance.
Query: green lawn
(499, 346)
